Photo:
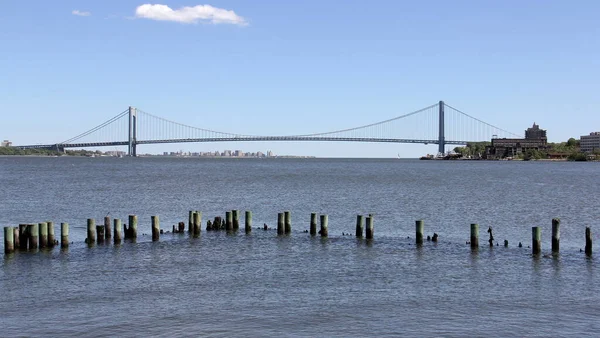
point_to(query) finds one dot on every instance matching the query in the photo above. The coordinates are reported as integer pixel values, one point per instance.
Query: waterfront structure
(591, 142)
(6, 143)
(535, 139)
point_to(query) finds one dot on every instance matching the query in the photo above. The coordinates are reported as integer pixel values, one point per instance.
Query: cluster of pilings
(28, 237)
(100, 234)
(536, 238)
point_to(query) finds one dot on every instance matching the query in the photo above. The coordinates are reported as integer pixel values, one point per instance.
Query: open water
(260, 284)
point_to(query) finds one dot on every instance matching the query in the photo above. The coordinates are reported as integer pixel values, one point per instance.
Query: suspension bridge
(438, 124)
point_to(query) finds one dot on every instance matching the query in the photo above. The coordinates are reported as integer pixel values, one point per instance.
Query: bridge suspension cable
(420, 124)
(97, 128)
(461, 127)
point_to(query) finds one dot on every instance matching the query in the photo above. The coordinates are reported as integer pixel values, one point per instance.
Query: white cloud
(200, 13)
(80, 13)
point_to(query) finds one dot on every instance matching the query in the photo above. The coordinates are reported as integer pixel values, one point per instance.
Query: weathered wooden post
(324, 225)
(313, 223)
(280, 223)
(359, 226)
(91, 231)
(536, 240)
(9, 240)
(24, 237)
(287, 215)
(133, 221)
(32, 230)
(248, 221)
(64, 235)
(107, 229)
(117, 231)
(16, 238)
(51, 237)
(155, 228)
(228, 221)
(191, 222)
(474, 236)
(369, 227)
(588, 241)
(419, 229)
(555, 235)
(100, 233)
(43, 234)
(236, 220)
(197, 220)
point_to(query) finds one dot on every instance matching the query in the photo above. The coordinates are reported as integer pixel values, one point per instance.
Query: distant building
(6, 143)
(535, 133)
(535, 139)
(116, 153)
(590, 142)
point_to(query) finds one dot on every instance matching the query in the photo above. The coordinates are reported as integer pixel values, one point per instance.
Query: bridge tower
(132, 132)
(441, 138)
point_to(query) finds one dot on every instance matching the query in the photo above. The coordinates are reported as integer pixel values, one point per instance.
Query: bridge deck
(240, 139)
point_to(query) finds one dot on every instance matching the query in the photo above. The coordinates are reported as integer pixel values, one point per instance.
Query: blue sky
(289, 67)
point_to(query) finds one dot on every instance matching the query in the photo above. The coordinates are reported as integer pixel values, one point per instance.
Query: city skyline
(249, 70)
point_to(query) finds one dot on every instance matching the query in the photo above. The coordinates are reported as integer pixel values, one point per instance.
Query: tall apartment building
(590, 142)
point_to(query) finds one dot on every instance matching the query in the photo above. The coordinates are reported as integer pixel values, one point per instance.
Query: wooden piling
(197, 220)
(287, 215)
(155, 228)
(369, 227)
(280, 223)
(313, 223)
(236, 219)
(555, 235)
(51, 237)
(588, 241)
(32, 231)
(359, 226)
(324, 225)
(91, 231)
(117, 231)
(419, 229)
(16, 238)
(107, 229)
(64, 235)
(474, 236)
(536, 240)
(23, 237)
(191, 222)
(133, 221)
(248, 221)
(100, 233)
(9, 240)
(228, 221)
(43, 234)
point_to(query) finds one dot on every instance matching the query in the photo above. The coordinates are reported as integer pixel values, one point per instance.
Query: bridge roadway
(237, 139)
